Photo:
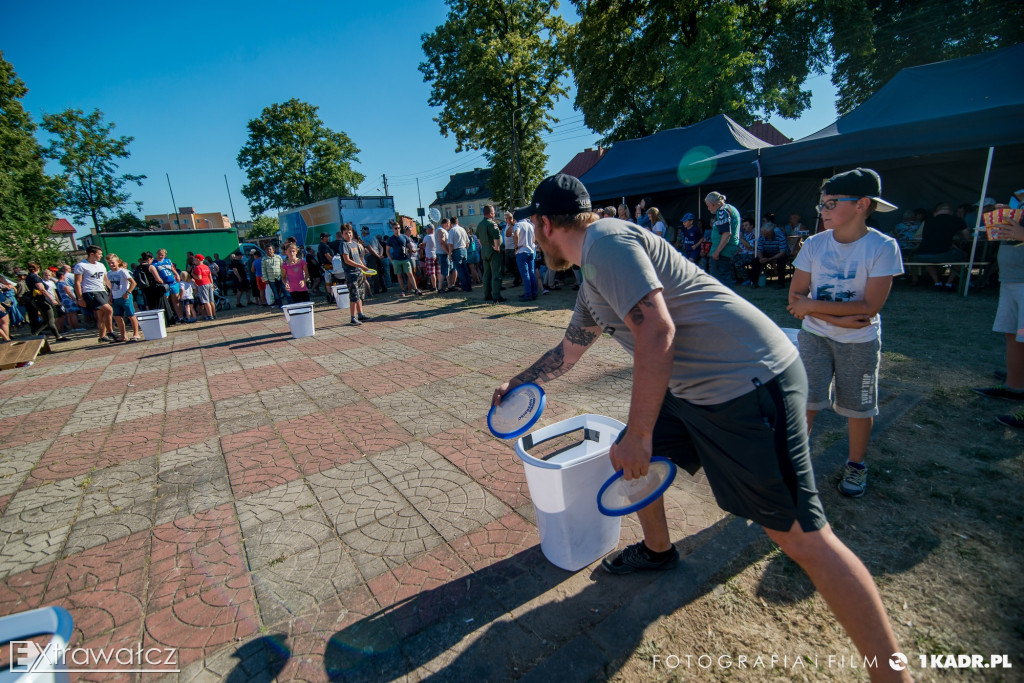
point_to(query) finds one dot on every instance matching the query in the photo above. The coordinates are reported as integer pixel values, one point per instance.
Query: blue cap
(687, 217)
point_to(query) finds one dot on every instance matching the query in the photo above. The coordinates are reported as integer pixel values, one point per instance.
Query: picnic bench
(15, 353)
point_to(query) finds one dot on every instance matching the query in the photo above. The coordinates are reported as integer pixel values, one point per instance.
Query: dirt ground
(941, 528)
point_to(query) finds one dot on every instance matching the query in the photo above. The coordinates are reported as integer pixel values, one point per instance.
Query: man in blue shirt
(400, 250)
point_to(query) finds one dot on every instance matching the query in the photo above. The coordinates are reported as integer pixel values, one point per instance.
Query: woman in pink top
(295, 275)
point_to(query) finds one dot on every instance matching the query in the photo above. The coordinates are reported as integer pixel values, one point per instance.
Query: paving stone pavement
(331, 507)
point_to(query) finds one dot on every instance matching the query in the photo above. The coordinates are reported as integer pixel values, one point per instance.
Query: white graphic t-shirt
(92, 276)
(840, 272)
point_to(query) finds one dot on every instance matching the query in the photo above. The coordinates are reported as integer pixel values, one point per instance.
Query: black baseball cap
(860, 182)
(557, 195)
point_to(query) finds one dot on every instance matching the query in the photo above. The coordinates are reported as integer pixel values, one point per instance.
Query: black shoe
(354, 322)
(1000, 391)
(500, 300)
(364, 318)
(635, 557)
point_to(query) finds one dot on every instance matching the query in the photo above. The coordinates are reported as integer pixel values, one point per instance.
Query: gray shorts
(1010, 314)
(204, 294)
(852, 369)
(753, 449)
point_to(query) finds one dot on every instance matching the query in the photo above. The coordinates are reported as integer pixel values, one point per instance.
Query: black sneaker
(355, 322)
(1016, 420)
(1000, 391)
(364, 318)
(634, 558)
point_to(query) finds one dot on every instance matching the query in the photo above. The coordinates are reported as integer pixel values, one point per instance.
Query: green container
(129, 245)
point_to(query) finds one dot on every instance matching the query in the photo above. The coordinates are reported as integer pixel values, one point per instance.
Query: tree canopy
(646, 65)
(291, 158)
(83, 145)
(264, 226)
(495, 69)
(873, 39)
(27, 195)
(128, 222)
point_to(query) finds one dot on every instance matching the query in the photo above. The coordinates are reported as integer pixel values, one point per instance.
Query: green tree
(128, 222)
(264, 226)
(291, 158)
(495, 69)
(27, 195)
(873, 39)
(642, 66)
(87, 152)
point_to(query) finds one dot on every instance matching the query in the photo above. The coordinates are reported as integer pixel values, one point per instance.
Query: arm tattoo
(580, 336)
(549, 366)
(636, 314)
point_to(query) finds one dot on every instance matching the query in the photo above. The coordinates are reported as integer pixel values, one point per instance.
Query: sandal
(134, 339)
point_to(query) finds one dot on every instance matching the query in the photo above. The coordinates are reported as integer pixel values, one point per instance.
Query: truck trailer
(129, 245)
(305, 223)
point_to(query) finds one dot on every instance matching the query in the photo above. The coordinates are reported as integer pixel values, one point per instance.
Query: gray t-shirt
(1011, 262)
(722, 342)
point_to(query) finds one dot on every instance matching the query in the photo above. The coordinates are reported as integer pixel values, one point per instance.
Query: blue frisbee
(619, 497)
(519, 410)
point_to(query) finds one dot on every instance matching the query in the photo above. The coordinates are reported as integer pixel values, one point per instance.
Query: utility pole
(177, 218)
(385, 177)
(419, 202)
(230, 203)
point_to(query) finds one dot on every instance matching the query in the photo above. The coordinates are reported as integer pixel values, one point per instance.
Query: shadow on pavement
(261, 659)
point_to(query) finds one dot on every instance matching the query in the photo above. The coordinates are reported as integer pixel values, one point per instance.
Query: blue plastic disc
(519, 410)
(619, 497)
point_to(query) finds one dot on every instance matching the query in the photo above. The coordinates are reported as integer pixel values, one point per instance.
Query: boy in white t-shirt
(841, 281)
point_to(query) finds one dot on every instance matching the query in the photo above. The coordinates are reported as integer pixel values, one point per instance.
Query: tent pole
(700, 201)
(977, 219)
(757, 204)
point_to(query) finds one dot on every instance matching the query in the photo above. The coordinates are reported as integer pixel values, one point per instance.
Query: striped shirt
(770, 246)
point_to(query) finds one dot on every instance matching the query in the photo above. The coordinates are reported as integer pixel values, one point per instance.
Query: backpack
(142, 277)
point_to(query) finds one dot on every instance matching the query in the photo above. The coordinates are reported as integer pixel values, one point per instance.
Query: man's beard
(552, 257)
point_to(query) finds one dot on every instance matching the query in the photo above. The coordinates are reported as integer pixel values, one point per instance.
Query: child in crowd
(122, 286)
(841, 281)
(354, 267)
(188, 289)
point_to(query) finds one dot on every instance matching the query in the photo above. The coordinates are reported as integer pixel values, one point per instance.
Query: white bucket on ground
(341, 296)
(564, 485)
(299, 318)
(152, 324)
(16, 629)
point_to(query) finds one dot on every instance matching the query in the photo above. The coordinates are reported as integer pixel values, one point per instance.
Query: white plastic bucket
(341, 296)
(564, 485)
(299, 318)
(51, 664)
(152, 324)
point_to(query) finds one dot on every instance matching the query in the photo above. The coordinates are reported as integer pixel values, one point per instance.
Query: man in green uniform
(490, 252)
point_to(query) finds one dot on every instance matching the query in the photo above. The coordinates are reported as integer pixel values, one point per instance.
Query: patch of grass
(85, 483)
(833, 437)
(278, 560)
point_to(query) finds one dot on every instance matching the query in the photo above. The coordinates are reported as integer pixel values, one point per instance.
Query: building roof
(63, 226)
(465, 187)
(768, 133)
(583, 161)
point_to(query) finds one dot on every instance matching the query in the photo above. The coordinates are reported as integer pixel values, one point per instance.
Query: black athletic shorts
(94, 300)
(753, 449)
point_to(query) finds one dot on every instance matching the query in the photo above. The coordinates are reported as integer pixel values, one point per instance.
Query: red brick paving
(251, 470)
(200, 596)
(37, 426)
(423, 591)
(318, 443)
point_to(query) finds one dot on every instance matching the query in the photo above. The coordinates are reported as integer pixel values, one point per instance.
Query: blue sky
(184, 79)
